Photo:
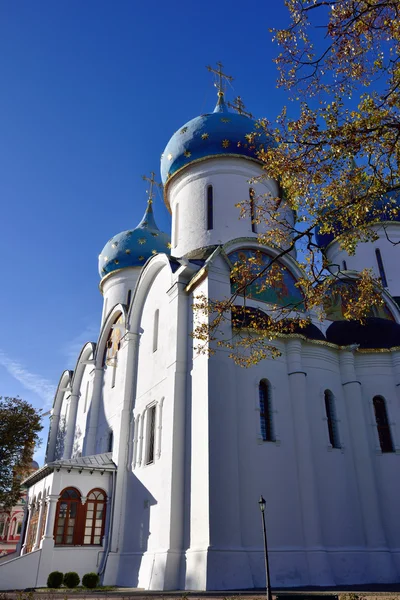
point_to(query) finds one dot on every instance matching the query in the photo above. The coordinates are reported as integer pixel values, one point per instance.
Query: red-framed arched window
(66, 529)
(95, 517)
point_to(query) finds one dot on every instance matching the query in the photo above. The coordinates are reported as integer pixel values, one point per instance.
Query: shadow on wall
(136, 531)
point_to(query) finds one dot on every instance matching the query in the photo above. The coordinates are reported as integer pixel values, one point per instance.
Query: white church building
(157, 455)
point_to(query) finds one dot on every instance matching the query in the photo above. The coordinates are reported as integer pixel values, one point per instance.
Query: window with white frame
(150, 437)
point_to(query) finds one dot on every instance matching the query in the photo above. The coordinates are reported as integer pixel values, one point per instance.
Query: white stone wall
(365, 257)
(115, 288)
(229, 178)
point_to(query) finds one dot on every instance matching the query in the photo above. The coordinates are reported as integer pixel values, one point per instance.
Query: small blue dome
(385, 209)
(132, 248)
(220, 133)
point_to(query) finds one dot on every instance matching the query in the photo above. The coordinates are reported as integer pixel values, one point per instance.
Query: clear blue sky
(91, 93)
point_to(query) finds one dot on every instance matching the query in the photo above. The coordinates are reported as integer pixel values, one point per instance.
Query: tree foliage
(20, 424)
(336, 161)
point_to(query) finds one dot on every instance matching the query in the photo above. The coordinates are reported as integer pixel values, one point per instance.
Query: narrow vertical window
(267, 430)
(151, 425)
(252, 210)
(330, 409)
(176, 225)
(128, 299)
(110, 443)
(210, 208)
(344, 265)
(155, 329)
(382, 424)
(380, 267)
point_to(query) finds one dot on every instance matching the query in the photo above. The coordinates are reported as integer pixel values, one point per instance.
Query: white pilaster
(318, 563)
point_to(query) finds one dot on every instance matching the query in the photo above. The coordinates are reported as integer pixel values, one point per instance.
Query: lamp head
(261, 503)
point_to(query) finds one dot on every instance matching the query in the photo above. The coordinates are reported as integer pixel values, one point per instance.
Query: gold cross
(221, 76)
(153, 182)
(239, 106)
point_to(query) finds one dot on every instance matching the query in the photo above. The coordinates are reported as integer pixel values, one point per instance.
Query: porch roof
(97, 462)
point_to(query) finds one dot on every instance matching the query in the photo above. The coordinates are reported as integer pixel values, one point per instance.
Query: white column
(90, 438)
(51, 514)
(318, 563)
(69, 438)
(42, 504)
(380, 562)
(54, 423)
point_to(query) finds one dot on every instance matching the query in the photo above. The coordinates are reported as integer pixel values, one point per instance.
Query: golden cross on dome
(219, 84)
(239, 106)
(153, 182)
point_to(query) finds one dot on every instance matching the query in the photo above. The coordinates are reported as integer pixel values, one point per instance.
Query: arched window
(333, 429)
(267, 429)
(210, 208)
(381, 267)
(382, 424)
(113, 343)
(252, 210)
(43, 523)
(67, 518)
(95, 517)
(155, 329)
(33, 523)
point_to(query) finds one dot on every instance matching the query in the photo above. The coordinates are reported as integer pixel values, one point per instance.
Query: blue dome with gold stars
(220, 133)
(133, 247)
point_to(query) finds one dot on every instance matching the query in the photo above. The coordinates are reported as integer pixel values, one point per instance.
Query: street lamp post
(261, 503)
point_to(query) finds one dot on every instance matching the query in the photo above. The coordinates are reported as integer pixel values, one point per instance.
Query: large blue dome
(133, 247)
(385, 209)
(220, 133)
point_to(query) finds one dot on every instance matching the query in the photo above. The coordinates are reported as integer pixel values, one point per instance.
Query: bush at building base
(71, 579)
(90, 580)
(55, 579)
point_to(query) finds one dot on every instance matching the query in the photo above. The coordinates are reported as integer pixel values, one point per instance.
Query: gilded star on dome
(116, 261)
(154, 251)
(154, 234)
(141, 257)
(205, 136)
(225, 120)
(187, 153)
(250, 137)
(141, 241)
(184, 130)
(225, 143)
(127, 251)
(169, 245)
(169, 156)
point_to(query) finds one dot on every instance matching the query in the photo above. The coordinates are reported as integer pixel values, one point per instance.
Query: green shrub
(71, 579)
(90, 580)
(55, 579)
